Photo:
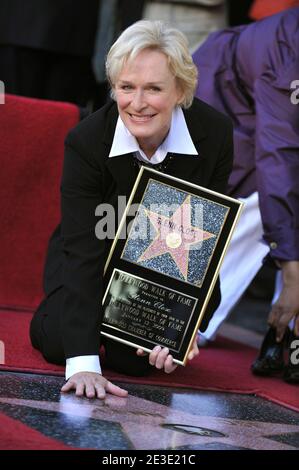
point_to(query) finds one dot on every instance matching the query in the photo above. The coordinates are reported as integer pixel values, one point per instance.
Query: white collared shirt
(178, 140)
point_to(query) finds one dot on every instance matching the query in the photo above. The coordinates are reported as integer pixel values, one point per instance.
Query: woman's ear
(180, 101)
(181, 95)
(112, 92)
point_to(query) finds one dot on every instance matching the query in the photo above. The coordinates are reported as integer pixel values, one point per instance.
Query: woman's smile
(141, 117)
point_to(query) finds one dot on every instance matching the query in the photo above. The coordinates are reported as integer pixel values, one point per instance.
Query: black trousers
(46, 336)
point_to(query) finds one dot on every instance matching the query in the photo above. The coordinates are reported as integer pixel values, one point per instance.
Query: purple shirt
(246, 73)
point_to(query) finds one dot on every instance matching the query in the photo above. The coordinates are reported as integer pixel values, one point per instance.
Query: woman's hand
(92, 385)
(161, 359)
(194, 351)
(287, 305)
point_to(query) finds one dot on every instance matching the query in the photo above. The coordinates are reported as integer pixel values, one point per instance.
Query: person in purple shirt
(251, 73)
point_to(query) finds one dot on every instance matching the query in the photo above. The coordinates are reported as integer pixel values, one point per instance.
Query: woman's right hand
(92, 384)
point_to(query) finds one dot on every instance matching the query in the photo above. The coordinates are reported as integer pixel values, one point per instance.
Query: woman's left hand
(161, 359)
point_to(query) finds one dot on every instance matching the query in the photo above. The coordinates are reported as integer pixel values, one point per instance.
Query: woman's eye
(155, 88)
(126, 87)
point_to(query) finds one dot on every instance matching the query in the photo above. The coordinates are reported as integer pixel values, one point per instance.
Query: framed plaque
(164, 262)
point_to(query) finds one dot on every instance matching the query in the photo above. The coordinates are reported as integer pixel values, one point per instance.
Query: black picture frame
(164, 262)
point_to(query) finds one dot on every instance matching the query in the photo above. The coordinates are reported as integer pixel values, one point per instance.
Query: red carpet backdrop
(32, 134)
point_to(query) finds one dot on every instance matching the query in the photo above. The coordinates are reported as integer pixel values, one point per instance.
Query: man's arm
(277, 165)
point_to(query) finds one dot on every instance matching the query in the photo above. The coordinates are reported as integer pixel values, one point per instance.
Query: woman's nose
(138, 100)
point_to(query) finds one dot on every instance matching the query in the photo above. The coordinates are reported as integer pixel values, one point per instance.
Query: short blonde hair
(155, 35)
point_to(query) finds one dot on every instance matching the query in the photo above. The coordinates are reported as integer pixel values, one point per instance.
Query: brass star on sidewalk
(174, 235)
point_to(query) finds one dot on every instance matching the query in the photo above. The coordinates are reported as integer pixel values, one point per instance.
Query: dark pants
(45, 336)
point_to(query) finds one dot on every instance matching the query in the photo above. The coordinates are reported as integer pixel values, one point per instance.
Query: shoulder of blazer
(95, 133)
(203, 120)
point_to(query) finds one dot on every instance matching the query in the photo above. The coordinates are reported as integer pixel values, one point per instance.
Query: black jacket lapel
(123, 171)
(187, 166)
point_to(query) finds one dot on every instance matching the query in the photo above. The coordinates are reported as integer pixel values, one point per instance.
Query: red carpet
(224, 367)
(15, 435)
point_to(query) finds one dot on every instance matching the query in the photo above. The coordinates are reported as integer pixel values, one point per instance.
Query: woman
(152, 78)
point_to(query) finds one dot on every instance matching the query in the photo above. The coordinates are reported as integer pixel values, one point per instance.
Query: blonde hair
(155, 35)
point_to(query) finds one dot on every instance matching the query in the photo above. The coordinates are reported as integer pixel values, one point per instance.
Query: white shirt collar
(178, 140)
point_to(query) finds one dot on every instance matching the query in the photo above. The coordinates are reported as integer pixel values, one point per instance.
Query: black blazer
(76, 257)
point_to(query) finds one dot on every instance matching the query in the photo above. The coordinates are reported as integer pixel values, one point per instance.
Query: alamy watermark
(176, 224)
(2, 92)
(295, 94)
(294, 355)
